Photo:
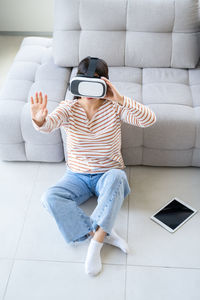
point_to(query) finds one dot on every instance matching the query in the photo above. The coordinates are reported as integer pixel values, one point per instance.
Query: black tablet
(174, 214)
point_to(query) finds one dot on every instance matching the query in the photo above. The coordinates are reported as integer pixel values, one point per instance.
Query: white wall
(26, 15)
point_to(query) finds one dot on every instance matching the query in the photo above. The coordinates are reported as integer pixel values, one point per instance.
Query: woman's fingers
(112, 92)
(107, 81)
(110, 85)
(40, 97)
(104, 78)
(113, 88)
(36, 97)
(45, 100)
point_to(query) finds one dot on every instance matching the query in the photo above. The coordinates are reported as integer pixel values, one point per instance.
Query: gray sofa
(152, 48)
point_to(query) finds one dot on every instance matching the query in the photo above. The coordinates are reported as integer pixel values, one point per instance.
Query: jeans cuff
(95, 225)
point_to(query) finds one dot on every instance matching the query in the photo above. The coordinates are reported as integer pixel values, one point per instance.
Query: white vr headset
(88, 85)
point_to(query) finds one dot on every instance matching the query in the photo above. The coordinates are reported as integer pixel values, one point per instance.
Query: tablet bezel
(167, 227)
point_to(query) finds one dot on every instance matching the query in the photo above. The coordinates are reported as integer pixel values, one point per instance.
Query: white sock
(93, 263)
(115, 240)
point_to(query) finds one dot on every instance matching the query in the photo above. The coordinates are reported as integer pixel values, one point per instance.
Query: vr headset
(88, 85)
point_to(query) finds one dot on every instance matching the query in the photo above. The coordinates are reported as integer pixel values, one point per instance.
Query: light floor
(37, 264)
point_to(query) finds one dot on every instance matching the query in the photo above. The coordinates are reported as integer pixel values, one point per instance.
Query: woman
(95, 165)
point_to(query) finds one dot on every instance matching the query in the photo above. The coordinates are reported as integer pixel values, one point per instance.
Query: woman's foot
(93, 263)
(115, 240)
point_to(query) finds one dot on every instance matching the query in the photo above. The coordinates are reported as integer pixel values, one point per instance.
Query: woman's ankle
(91, 233)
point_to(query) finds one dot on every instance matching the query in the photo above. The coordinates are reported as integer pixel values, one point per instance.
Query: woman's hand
(112, 93)
(38, 108)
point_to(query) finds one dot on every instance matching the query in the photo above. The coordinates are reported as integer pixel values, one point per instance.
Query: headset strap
(92, 66)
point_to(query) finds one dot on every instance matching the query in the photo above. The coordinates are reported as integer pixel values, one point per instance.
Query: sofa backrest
(134, 33)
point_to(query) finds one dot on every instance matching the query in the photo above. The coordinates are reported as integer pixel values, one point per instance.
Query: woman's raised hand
(38, 108)
(112, 93)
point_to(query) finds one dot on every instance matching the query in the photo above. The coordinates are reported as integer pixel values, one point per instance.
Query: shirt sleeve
(135, 113)
(55, 119)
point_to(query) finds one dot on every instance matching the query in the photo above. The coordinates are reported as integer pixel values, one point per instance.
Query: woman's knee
(48, 197)
(52, 195)
(45, 198)
(119, 177)
(116, 176)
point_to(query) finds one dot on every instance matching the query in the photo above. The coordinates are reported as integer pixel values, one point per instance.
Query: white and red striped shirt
(94, 146)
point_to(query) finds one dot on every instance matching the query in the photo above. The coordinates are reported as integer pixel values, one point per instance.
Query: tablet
(174, 214)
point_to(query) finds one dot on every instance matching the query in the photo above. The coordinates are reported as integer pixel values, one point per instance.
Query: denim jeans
(62, 201)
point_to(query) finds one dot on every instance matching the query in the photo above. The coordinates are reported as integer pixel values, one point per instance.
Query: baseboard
(28, 33)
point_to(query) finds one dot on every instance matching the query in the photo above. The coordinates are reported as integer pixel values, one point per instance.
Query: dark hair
(101, 69)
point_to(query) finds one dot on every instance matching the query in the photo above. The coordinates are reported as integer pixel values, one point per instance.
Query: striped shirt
(94, 146)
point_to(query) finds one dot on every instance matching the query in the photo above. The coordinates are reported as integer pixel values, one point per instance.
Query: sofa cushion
(132, 33)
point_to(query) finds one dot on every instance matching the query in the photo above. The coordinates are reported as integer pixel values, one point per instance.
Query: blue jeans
(63, 199)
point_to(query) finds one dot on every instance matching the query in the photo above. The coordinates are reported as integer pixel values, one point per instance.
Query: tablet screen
(174, 214)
